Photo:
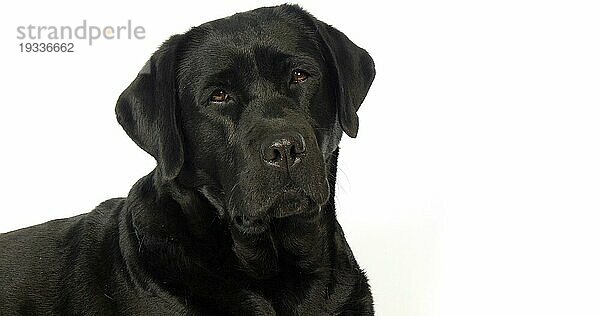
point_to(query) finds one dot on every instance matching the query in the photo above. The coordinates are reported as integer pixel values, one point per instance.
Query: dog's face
(253, 93)
(249, 109)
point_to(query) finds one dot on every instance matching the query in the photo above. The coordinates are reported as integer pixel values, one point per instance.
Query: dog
(244, 116)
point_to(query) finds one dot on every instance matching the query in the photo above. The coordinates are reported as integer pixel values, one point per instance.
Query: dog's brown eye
(219, 95)
(299, 76)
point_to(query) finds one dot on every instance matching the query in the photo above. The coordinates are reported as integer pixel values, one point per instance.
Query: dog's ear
(148, 110)
(354, 71)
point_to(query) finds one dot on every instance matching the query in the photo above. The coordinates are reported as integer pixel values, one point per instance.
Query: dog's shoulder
(38, 263)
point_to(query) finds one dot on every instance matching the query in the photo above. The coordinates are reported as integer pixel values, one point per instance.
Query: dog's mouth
(289, 203)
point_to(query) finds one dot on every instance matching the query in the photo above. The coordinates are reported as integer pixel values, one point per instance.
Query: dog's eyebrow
(223, 79)
(273, 62)
(263, 52)
(304, 61)
(267, 62)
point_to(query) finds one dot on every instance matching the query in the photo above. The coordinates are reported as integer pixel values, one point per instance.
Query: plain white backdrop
(473, 187)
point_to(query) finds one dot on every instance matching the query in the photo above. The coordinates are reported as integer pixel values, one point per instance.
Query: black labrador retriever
(243, 116)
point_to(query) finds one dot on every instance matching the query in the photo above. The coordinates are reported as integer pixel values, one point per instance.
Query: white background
(472, 189)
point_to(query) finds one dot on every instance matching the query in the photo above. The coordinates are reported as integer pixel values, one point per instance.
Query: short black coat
(169, 247)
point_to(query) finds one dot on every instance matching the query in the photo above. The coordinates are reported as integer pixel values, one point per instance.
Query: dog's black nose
(283, 150)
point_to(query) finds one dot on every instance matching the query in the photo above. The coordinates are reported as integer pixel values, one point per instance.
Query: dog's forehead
(274, 26)
(251, 36)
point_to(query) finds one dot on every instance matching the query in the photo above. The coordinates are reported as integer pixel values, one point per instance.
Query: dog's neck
(181, 226)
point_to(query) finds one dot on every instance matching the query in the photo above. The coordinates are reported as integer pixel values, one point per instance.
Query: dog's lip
(250, 225)
(289, 202)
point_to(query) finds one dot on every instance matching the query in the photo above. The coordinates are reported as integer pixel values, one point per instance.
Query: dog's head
(249, 109)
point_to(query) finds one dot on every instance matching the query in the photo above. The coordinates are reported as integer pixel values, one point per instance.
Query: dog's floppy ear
(148, 110)
(355, 71)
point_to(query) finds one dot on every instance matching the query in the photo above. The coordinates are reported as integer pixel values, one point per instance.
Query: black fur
(214, 230)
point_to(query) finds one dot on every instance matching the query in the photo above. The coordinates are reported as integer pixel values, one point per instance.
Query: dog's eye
(219, 95)
(299, 75)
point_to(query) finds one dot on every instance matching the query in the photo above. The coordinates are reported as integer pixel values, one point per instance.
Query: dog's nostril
(283, 150)
(297, 149)
(275, 154)
(272, 154)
